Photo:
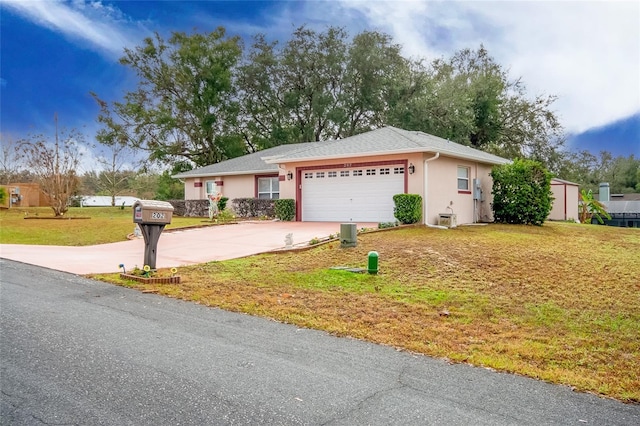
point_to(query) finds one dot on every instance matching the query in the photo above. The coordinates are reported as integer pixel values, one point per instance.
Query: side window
(463, 178)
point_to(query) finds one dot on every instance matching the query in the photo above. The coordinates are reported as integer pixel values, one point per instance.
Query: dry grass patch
(559, 302)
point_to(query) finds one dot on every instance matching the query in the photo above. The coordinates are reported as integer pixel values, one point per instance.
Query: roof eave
(497, 161)
(236, 173)
(332, 157)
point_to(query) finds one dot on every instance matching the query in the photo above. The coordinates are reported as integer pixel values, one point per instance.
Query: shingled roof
(247, 164)
(383, 141)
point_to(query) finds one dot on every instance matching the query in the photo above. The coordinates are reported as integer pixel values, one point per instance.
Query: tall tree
(469, 98)
(580, 167)
(317, 86)
(54, 163)
(185, 104)
(621, 173)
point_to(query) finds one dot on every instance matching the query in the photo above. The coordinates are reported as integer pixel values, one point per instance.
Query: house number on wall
(347, 165)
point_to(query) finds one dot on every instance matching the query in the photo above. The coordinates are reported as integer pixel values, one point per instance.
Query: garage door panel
(364, 198)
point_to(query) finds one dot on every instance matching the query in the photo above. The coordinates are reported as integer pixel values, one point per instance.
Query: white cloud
(585, 52)
(92, 24)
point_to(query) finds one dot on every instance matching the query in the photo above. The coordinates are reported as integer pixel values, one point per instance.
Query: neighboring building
(624, 209)
(105, 201)
(24, 195)
(354, 179)
(566, 197)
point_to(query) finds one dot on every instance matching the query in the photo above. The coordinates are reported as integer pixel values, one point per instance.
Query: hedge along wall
(253, 207)
(190, 208)
(242, 207)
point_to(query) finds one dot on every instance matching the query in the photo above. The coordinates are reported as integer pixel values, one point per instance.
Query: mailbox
(151, 217)
(152, 212)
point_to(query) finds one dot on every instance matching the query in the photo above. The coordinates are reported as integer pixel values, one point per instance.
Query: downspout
(426, 191)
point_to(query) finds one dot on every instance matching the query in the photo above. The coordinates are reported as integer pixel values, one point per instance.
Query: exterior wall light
(412, 169)
(289, 175)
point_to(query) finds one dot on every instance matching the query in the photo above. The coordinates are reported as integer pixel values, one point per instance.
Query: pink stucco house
(354, 179)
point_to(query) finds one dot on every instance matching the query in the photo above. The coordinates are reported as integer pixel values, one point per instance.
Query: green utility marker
(372, 267)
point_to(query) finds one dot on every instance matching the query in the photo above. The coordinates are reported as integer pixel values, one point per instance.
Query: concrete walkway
(175, 248)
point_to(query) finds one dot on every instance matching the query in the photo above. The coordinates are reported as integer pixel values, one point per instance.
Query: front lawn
(37, 225)
(559, 302)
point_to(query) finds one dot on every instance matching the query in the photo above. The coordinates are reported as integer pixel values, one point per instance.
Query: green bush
(285, 209)
(521, 192)
(3, 195)
(408, 208)
(222, 203)
(225, 216)
(384, 225)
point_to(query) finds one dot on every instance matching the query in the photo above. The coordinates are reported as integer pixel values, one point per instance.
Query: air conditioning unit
(449, 220)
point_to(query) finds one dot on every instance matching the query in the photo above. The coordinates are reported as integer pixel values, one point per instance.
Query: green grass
(106, 225)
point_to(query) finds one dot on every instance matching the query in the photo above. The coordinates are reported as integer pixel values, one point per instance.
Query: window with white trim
(332, 174)
(344, 173)
(269, 188)
(320, 175)
(398, 170)
(308, 175)
(384, 171)
(210, 187)
(463, 178)
(357, 172)
(371, 172)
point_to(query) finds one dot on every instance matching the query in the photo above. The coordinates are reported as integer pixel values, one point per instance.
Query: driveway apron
(175, 248)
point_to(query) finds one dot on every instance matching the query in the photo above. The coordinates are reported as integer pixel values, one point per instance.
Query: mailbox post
(151, 216)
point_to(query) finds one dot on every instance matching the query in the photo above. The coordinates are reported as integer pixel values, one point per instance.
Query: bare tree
(10, 164)
(117, 170)
(54, 165)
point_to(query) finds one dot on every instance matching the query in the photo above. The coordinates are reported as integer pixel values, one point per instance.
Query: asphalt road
(79, 352)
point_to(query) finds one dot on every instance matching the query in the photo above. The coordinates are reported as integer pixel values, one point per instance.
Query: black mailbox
(151, 216)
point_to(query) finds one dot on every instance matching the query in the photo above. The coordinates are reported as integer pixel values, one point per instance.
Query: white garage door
(362, 194)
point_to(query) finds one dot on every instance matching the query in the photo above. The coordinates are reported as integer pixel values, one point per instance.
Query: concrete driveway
(175, 248)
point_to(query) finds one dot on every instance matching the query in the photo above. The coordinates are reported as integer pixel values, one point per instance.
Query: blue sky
(53, 53)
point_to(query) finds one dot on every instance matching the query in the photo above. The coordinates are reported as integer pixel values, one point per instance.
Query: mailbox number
(157, 215)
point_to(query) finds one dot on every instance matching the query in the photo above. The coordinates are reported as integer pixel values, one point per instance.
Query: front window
(269, 188)
(210, 186)
(463, 178)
